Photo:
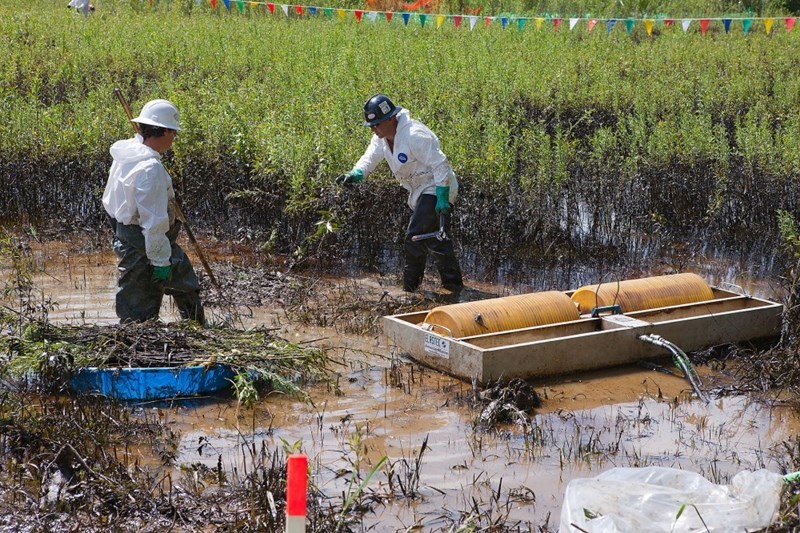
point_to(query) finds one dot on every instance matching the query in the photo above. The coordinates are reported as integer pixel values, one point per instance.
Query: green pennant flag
(422, 18)
(746, 25)
(521, 23)
(240, 5)
(629, 25)
(329, 12)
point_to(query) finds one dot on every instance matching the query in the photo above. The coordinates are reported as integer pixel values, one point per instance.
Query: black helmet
(379, 108)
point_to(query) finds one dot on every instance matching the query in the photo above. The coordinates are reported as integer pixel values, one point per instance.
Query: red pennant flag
(488, 21)
(299, 10)
(271, 8)
(704, 26)
(556, 23)
(359, 14)
(790, 23)
(457, 20)
(389, 16)
(214, 4)
(668, 23)
(592, 23)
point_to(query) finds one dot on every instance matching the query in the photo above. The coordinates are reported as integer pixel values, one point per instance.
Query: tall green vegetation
(563, 140)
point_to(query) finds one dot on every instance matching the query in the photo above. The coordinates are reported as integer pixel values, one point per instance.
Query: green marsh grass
(566, 143)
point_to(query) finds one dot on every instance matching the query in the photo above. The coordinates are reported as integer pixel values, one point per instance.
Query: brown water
(620, 417)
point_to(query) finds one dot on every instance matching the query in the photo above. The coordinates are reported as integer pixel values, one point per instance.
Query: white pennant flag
(685, 24)
(472, 20)
(372, 15)
(572, 23)
(285, 9)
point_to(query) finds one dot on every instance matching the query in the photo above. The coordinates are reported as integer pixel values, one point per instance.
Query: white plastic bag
(623, 500)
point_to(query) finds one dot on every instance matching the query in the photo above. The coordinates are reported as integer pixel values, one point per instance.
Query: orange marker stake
(296, 488)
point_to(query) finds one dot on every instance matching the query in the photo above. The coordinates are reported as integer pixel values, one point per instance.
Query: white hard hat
(162, 113)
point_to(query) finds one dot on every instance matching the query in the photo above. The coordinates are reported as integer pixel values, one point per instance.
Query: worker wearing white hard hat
(140, 203)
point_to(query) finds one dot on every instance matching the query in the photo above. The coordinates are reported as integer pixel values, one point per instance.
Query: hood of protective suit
(129, 151)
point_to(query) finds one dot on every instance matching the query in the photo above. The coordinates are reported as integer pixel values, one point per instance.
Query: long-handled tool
(178, 210)
(438, 235)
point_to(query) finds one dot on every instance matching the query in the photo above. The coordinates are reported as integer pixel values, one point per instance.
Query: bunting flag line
(705, 23)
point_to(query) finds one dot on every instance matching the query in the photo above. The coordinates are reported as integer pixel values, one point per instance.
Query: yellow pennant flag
(342, 14)
(439, 21)
(537, 22)
(768, 25)
(648, 25)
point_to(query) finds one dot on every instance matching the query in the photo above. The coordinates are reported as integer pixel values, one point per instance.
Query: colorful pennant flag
(372, 16)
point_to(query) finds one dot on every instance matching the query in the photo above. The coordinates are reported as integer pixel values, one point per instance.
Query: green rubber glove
(442, 200)
(354, 176)
(162, 273)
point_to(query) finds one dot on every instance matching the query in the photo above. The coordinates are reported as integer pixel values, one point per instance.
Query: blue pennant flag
(611, 23)
(312, 10)
(727, 24)
(405, 18)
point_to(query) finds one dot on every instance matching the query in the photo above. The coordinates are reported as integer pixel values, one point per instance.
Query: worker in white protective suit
(82, 6)
(416, 160)
(140, 203)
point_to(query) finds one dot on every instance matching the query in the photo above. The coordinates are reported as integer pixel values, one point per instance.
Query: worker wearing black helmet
(416, 160)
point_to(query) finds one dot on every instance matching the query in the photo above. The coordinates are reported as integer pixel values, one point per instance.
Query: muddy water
(387, 406)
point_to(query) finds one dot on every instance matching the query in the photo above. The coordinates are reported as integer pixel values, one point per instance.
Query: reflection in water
(589, 423)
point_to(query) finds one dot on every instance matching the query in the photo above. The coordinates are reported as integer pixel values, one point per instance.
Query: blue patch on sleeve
(402, 157)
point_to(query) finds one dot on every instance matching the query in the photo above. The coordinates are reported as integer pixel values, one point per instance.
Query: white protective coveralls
(139, 192)
(80, 5)
(420, 166)
(140, 201)
(417, 161)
